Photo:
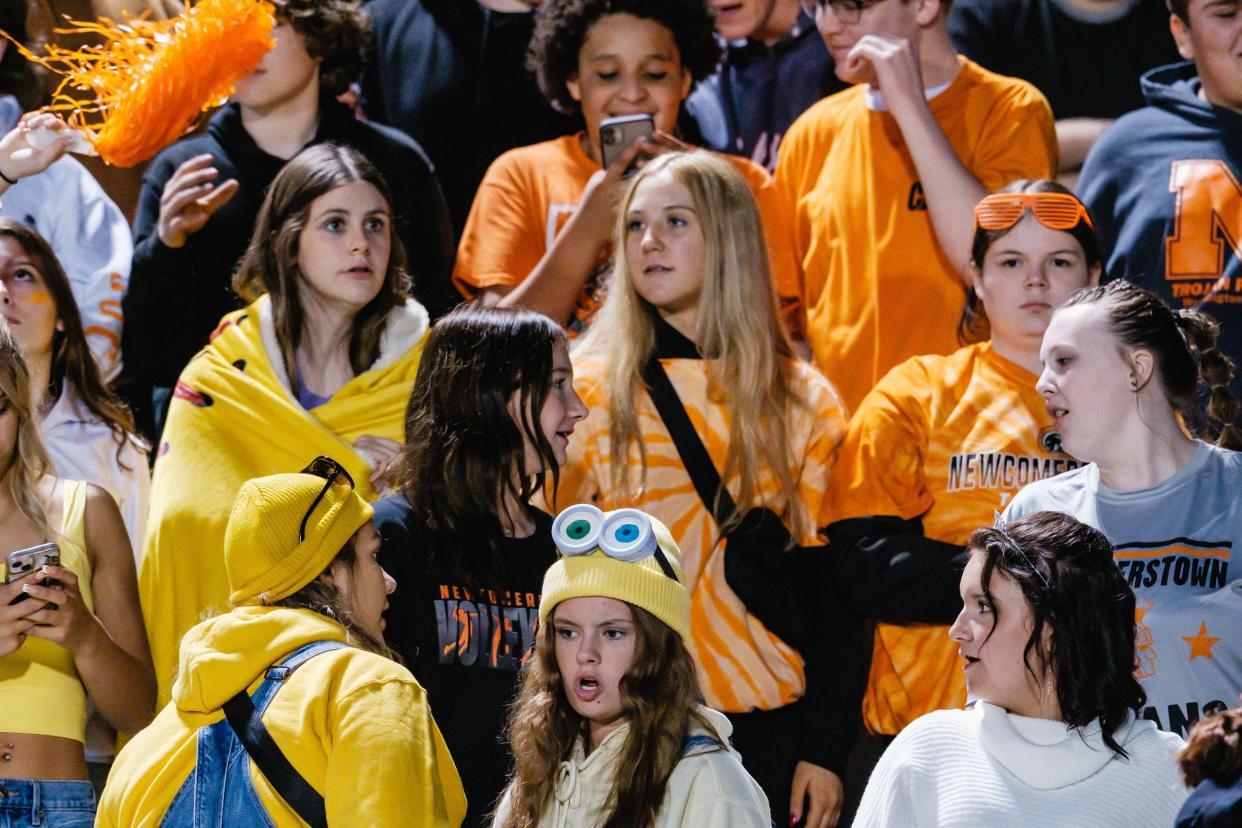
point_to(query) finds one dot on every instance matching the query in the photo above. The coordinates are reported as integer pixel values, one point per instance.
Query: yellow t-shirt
(530, 193)
(878, 288)
(950, 438)
(40, 690)
(741, 665)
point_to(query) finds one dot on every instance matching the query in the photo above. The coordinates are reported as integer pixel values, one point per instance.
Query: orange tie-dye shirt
(950, 438)
(742, 666)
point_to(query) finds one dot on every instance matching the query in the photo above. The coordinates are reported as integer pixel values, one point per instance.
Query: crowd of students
(819, 460)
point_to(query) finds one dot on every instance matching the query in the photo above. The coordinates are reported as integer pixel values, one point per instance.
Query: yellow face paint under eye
(40, 297)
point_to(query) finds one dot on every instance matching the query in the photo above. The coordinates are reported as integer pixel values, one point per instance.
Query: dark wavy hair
(1181, 8)
(336, 32)
(561, 28)
(658, 697)
(270, 263)
(1066, 572)
(973, 326)
(1183, 343)
(72, 361)
(463, 450)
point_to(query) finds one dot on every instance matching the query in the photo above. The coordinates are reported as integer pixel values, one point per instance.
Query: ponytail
(1217, 372)
(1183, 343)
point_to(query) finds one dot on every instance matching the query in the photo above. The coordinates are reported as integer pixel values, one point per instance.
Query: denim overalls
(219, 792)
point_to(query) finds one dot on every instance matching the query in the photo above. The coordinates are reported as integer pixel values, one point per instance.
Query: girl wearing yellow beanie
(301, 659)
(608, 729)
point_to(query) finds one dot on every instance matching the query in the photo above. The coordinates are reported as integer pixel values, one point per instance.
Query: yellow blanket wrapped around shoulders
(232, 418)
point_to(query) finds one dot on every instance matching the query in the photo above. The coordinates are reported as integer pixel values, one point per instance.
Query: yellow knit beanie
(262, 555)
(627, 555)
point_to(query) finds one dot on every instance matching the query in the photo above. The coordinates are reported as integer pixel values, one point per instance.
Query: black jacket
(451, 74)
(464, 643)
(177, 296)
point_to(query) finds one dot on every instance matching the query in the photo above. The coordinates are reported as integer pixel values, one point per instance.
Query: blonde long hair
(29, 463)
(739, 331)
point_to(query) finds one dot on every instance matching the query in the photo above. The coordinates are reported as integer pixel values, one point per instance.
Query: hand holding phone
(615, 134)
(25, 563)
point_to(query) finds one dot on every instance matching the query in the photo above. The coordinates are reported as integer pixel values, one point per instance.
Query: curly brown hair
(1213, 749)
(561, 28)
(658, 697)
(336, 32)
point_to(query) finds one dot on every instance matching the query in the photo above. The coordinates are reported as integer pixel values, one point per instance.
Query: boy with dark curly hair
(201, 195)
(539, 233)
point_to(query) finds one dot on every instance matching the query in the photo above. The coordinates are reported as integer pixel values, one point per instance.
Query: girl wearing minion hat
(607, 728)
(297, 678)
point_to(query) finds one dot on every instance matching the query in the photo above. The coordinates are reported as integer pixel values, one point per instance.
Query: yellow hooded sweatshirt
(354, 724)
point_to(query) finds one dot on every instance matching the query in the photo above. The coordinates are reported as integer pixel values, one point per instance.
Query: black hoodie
(177, 296)
(1163, 187)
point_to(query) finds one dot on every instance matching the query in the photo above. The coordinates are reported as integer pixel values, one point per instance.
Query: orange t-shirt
(950, 438)
(530, 193)
(741, 665)
(878, 287)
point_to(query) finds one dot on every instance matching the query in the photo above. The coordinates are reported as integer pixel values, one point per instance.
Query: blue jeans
(25, 803)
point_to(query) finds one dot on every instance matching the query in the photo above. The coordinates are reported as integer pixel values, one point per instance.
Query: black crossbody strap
(689, 445)
(247, 723)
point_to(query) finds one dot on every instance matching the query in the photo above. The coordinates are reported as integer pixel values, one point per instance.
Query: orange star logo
(1201, 644)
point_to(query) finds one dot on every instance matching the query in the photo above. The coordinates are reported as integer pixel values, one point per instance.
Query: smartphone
(615, 134)
(25, 562)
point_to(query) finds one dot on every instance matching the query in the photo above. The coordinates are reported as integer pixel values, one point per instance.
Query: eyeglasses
(330, 471)
(847, 11)
(998, 524)
(1056, 211)
(624, 535)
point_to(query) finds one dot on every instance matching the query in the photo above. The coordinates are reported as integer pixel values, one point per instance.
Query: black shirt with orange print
(464, 644)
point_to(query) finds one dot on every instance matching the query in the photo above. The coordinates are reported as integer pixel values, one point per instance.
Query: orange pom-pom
(152, 80)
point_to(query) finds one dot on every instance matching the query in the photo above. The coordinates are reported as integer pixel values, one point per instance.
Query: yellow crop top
(40, 691)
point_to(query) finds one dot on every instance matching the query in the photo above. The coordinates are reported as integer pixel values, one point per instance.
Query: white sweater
(708, 788)
(987, 767)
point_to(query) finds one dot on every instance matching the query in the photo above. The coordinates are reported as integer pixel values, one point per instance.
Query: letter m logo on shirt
(1208, 221)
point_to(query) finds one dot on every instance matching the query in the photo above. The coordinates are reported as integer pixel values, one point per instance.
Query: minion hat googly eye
(627, 555)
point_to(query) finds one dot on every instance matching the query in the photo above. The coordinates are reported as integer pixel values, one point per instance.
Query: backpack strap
(245, 716)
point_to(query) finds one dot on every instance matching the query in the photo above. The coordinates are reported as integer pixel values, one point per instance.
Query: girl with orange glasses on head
(942, 442)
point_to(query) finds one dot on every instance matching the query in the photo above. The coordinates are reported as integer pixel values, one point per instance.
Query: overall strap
(245, 717)
(275, 675)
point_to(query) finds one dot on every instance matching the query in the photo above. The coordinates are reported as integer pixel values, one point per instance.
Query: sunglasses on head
(1056, 211)
(330, 471)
